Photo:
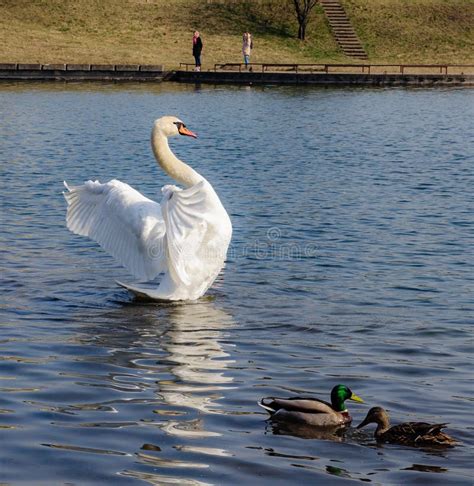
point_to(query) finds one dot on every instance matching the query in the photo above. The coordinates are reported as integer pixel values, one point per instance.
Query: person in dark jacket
(197, 48)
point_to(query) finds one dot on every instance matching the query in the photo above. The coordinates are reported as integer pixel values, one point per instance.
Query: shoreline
(156, 73)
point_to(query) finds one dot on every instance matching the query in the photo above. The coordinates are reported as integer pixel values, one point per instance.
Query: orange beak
(184, 131)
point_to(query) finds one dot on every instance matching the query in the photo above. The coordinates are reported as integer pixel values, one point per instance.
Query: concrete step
(355, 54)
(345, 25)
(342, 29)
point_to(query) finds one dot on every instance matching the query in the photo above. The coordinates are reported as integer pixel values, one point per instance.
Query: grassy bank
(433, 31)
(160, 31)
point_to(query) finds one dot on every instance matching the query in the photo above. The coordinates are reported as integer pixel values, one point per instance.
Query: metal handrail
(364, 67)
(186, 64)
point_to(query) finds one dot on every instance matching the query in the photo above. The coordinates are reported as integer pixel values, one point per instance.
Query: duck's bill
(185, 131)
(363, 424)
(355, 398)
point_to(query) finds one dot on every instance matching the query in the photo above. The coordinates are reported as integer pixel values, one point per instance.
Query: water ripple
(351, 261)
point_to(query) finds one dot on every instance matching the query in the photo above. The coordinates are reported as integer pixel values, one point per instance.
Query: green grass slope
(430, 31)
(160, 31)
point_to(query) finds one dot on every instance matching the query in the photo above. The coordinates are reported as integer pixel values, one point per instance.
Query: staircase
(342, 29)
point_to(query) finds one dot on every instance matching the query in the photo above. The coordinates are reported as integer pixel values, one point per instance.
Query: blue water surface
(351, 262)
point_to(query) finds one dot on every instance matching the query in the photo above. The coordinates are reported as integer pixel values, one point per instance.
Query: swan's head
(170, 126)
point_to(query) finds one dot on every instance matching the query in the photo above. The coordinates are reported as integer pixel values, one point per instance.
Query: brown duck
(419, 434)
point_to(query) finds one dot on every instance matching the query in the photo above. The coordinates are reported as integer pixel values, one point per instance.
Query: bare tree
(303, 9)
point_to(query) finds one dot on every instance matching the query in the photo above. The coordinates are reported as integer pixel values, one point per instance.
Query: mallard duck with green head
(312, 411)
(419, 434)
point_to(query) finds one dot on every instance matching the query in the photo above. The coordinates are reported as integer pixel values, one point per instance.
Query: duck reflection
(304, 431)
(426, 468)
(161, 479)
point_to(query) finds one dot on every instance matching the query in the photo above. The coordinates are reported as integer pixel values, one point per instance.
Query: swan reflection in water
(198, 362)
(177, 339)
(170, 357)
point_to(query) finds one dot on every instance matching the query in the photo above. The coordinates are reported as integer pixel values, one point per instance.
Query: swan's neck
(174, 167)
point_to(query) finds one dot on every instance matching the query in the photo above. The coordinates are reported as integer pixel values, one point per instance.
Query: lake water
(351, 262)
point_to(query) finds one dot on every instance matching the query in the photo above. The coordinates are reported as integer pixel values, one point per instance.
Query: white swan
(186, 237)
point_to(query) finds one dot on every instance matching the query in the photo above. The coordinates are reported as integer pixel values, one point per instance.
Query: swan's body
(185, 237)
(312, 411)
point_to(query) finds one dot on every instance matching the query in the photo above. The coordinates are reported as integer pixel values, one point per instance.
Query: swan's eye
(180, 125)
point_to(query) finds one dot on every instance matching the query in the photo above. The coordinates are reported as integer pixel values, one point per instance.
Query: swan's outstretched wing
(189, 215)
(125, 223)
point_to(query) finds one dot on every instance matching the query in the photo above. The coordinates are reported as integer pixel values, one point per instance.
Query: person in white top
(247, 46)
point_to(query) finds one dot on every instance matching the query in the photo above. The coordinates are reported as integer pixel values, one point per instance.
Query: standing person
(197, 48)
(247, 46)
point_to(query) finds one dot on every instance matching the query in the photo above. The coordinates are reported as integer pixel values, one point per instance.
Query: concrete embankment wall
(326, 79)
(81, 72)
(156, 73)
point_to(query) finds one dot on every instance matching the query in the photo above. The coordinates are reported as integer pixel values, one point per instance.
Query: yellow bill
(356, 398)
